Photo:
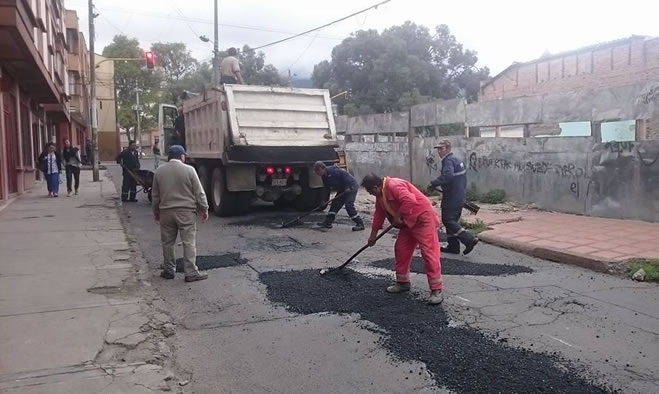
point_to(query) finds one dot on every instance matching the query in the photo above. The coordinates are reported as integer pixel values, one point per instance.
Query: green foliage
(476, 227)
(495, 196)
(178, 66)
(403, 66)
(472, 193)
(650, 266)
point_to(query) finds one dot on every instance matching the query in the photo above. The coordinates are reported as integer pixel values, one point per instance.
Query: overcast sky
(500, 31)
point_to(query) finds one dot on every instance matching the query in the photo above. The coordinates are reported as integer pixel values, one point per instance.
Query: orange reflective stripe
(403, 276)
(432, 281)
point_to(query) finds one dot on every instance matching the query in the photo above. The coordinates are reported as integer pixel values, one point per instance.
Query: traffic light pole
(92, 85)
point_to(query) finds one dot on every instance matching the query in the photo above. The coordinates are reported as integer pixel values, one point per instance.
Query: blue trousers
(52, 181)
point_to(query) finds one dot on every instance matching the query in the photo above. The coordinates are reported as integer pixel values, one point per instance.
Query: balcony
(73, 62)
(20, 55)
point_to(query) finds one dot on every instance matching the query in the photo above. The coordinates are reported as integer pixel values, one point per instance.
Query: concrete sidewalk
(596, 243)
(75, 313)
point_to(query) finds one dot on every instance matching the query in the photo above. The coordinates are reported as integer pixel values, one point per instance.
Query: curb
(555, 255)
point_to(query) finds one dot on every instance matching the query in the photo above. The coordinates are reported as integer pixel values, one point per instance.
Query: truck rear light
(288, 170)
(270, 170)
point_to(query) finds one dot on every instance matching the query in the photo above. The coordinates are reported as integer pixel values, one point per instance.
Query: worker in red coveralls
(409, 210)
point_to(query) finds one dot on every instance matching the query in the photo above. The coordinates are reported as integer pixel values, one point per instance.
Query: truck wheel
(220, 198)
(205, 179)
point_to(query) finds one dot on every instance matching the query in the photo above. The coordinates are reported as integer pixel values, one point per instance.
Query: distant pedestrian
(408, 209)
(178, 198)
(129, 160)
(230, 69)
(50, 163)
(88, 151)
(336, 178)
(156, 155)
(453, 182)
(72, 163)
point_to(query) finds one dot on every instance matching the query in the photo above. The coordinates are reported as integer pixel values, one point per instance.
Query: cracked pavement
(230, 338)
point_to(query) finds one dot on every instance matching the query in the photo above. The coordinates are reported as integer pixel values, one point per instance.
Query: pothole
(277, 243)
(210, 262)
(276, 221)
(459, 267)
(460, 358)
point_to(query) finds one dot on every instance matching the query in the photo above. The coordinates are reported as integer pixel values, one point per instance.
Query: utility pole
(216, 48)
(92, 81)
(138, 111)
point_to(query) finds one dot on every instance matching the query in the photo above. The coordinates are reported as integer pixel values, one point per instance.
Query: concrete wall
(390, 158)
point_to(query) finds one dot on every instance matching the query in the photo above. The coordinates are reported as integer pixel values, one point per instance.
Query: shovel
(318, 208)
(328, 270)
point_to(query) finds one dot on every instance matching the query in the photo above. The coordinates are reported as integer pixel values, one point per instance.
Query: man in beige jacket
(177, 199)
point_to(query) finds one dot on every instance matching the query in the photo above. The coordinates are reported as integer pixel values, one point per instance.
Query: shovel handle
(312, 211)
(386, 230)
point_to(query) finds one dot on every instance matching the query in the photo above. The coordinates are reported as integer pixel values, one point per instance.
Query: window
(624, 130)
(74, 83)
(575, 129)
(72, 40)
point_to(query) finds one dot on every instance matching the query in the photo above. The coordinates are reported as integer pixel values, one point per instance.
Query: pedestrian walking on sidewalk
(129, 160)
(453, 182)
(409, 210)
(72, 163)
(156, 155)
(50, 163)
(178, 198)
(336, 178)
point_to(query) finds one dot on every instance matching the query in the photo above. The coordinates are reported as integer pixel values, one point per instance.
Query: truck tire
(205, 179)
(221, 200)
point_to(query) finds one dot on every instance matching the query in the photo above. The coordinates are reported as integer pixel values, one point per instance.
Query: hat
(176, 150)
(446, 143)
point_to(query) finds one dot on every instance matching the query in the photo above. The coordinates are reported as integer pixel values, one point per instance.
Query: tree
(403, 66)
(130, 75)
(255, 71)
(178, 67)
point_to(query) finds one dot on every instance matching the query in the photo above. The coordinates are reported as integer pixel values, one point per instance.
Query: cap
(443, 143)
(176, 150)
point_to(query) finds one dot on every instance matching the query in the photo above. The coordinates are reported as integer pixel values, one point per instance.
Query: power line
(324, 26)
(303, 52)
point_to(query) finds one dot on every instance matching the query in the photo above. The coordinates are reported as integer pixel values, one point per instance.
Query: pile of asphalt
(460, 359)
(276, 220)
(205, 263)
(459, 267)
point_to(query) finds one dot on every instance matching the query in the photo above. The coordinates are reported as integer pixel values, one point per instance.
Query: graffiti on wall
(477, 163)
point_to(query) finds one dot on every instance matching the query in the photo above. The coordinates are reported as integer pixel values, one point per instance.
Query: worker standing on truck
(129, 160)
(177, 200)
(346, 186)
(453, 182)
(230, 69)
(409, 210)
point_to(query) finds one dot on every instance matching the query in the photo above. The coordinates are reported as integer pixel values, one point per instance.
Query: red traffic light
(150, 60)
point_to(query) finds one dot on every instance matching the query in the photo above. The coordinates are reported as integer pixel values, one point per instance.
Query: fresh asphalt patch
(459, 267)
(461, 359)
(205, 263)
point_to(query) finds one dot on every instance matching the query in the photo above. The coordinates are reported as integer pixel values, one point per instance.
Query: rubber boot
(436, 297)
(398, 287)
(453, 246)
(327, 223)
(468, 240)
(359, 224)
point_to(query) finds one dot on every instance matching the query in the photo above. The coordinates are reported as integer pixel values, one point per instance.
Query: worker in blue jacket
(453, 183)
(336, 178)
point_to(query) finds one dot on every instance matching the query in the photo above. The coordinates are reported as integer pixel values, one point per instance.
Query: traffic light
(150, 60)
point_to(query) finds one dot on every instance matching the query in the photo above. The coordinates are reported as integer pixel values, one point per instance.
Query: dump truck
(255, 143)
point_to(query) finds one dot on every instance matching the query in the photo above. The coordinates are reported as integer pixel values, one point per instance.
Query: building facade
(78, 75)
(108, 131)
(34, 96)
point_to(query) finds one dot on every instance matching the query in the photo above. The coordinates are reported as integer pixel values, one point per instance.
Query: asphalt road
(266, 321)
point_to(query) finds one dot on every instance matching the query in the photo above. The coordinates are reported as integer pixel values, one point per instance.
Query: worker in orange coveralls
(409, 210)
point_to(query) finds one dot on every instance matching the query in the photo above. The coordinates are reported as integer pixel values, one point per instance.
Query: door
(11, 141)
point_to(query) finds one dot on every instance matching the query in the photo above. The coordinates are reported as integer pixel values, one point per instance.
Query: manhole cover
(460, 267)
(214, 261)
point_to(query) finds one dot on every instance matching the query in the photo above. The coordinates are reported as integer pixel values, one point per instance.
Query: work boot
(468, 240)
(436, 297)
(167, 275)
(359, 224)
(68, 194)
(327, 223)
(196, 278)
(398, 287)
(453, 246)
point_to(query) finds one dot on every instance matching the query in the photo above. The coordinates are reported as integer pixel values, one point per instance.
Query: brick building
(78, 74)
(108, 132)
(44, 89)
(610, 64)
